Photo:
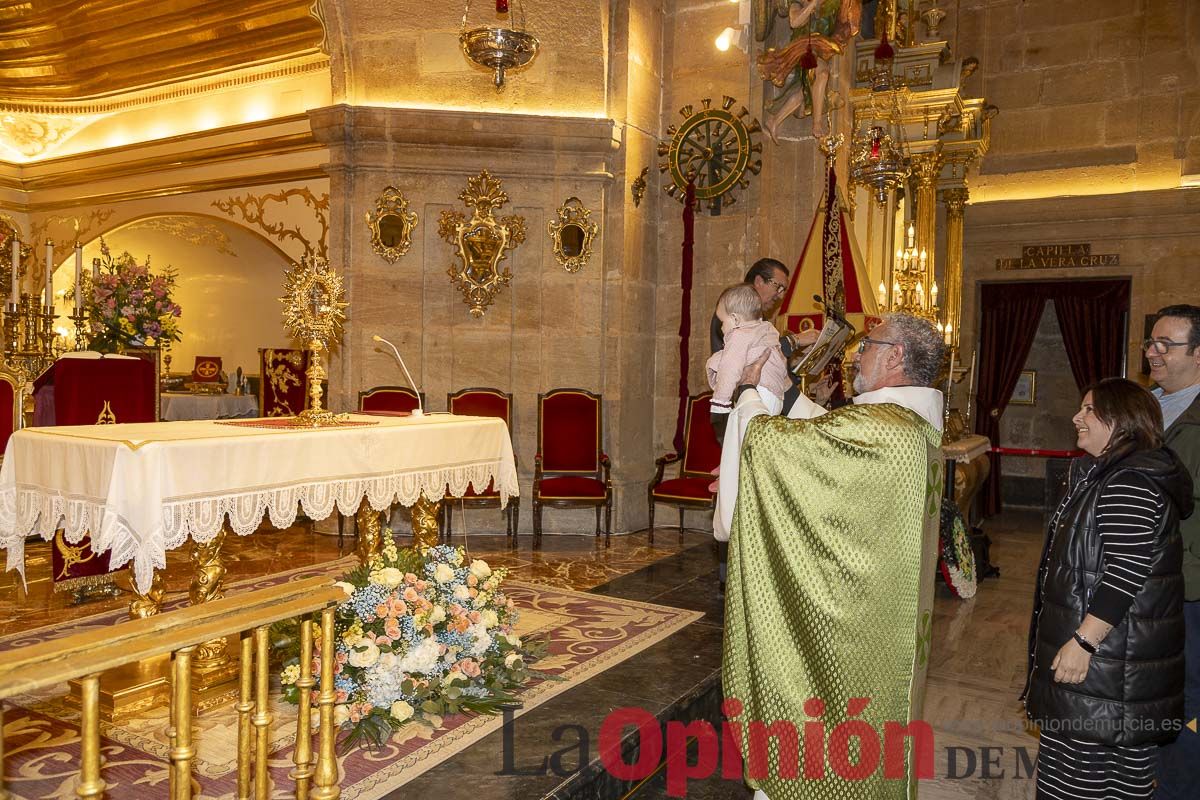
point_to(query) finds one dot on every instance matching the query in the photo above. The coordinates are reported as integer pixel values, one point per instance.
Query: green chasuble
(829, 596)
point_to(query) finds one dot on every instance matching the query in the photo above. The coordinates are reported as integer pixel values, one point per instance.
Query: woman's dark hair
(1133, 413)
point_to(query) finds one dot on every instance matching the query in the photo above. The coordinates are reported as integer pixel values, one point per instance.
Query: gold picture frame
(391, 225)
(573, 233)
(1025, 392)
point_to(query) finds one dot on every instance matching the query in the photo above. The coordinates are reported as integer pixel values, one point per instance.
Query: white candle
(95, 271)
(78, 277)
(15, 297)
(49, 276)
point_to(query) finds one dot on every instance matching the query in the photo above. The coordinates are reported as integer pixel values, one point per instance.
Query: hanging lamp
(498, 48)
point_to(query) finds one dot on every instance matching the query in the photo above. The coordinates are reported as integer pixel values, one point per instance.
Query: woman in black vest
(1106, 641)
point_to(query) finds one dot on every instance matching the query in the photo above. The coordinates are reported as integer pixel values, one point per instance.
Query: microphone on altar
(418, 411)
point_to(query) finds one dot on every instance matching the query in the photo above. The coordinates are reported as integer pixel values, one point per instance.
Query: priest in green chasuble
(832, 521)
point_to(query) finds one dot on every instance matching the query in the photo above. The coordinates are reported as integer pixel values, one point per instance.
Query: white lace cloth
(144, 488)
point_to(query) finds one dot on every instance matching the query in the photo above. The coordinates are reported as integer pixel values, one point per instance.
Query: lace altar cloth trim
(40, 513)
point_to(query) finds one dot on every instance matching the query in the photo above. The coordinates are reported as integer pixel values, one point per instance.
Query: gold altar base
(129, 690)
(214, 684)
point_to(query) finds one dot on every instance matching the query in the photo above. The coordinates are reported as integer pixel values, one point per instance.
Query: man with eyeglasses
(834, 521)
(1173, 351)
(769, 278)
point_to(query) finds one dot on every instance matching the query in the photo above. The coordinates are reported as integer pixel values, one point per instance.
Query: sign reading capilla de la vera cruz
(1058, 256)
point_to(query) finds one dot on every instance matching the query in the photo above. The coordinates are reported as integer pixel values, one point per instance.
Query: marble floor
(974, 679)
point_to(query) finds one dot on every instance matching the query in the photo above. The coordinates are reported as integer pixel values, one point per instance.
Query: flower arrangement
(421, 635)
(130, 305)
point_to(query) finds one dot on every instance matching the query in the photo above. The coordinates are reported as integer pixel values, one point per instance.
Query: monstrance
(313, 311)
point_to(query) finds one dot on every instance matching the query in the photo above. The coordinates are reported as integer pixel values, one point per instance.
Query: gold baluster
(325, 777)
(4, 795)
(182, 752)
(302, 753)
(262, 715)
(244, 706)
(91, 785)
(425, 513)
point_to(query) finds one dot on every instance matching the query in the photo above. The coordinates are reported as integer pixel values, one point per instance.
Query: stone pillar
(955, 201)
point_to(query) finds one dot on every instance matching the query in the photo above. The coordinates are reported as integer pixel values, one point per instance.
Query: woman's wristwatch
(1090, 647)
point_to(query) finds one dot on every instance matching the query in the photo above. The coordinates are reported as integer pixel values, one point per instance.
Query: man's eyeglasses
(780, 288)
(1161, 346)
(862, 344)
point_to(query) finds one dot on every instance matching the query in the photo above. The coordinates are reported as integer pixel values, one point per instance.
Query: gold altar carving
(481, 242)
(313, 310)
(638, 187)
(253, 210)
(214, 673)
(370, 536)
(573, 233)
(391, 225)
(425, 514)
(150, 603)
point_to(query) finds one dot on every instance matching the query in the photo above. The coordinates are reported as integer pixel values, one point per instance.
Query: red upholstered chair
(701, 455)
(10, 408)
(571, 469)
(389, 398)
(207, 369)
(482, 402)
(283, 385)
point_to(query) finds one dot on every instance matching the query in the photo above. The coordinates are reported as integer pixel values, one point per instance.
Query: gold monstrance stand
(313, 311)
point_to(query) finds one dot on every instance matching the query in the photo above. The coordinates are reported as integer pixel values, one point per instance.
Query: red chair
(482, 402)
(10, 408)
(389, 398)
(701, 455)
(571, 469)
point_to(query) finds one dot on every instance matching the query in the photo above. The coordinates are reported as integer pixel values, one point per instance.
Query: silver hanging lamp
(496, 48)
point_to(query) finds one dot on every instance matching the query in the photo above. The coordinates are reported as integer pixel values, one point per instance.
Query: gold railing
(86, 655)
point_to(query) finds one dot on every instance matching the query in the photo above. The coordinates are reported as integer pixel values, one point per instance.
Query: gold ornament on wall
(638, 187)
(391, 225)
(572, 233)
(481, 242)
(314, 303)
(714, 145)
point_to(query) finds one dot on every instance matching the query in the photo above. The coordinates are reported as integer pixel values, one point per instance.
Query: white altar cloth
(144, 488)
(177, 406)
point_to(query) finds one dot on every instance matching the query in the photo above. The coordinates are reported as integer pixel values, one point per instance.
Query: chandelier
(876, 161)
(914, 289)
(495, 48)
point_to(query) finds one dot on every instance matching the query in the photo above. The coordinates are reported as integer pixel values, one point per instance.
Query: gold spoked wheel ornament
(716, 147)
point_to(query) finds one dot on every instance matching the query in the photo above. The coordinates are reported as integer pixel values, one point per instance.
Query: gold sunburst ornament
(313, 311)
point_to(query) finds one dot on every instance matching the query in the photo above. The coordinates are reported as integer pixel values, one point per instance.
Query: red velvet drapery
(685, 311)
(1091, 315)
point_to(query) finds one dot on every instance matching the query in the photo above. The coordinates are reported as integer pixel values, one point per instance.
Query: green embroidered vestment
(830, 588)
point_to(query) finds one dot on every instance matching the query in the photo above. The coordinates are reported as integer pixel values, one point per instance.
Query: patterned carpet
(586, 635)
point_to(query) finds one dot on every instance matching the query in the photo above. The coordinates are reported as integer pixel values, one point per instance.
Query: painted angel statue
(826, 26)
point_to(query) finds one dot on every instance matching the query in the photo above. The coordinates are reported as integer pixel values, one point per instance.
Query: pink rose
(469, 668)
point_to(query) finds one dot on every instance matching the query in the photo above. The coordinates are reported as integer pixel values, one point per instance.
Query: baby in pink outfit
(747, 337)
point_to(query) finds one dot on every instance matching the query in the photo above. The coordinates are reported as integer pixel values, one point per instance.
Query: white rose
(341, 713)
(401, 711)
(489, 618)
(480, 569)
(443, 573)
(422, 658)
(453, 677)
(348, 588)
(513, 639)
(482, 639)
(364, 654)
(461, 593)
(391, 577)
(511, 659)
(388, 661)
(438, 614)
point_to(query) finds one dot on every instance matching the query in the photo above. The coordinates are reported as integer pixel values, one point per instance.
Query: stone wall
(1095, 96)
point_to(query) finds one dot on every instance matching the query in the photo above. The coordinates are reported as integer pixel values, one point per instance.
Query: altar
(142, 489)
(178, 406)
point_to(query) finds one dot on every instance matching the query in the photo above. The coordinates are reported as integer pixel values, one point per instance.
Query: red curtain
(1091, 314)
(685, 310)
(1009, 315)
(1092, 317)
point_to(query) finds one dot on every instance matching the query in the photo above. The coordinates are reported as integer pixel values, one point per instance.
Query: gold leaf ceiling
(70, 50)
